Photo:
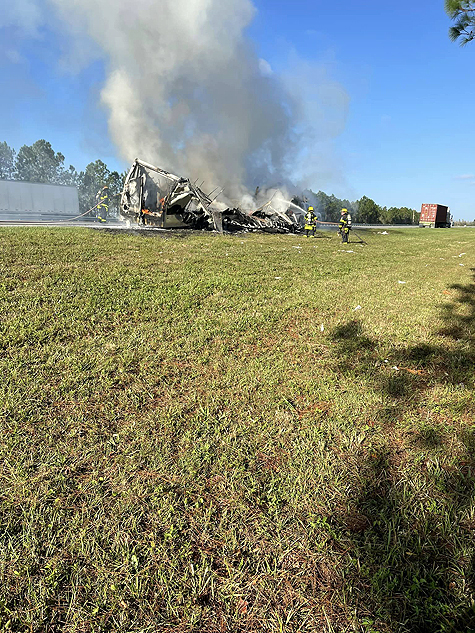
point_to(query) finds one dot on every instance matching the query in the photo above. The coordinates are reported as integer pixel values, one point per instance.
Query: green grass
(182, 448)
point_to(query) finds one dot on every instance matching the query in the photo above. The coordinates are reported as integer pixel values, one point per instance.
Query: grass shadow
(415, 553)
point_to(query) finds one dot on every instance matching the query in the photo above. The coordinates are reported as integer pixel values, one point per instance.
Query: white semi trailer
(35, 202)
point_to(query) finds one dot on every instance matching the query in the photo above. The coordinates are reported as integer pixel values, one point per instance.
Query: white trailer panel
(37, 202)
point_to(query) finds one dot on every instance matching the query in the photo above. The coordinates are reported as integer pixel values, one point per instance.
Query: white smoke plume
(186, 91)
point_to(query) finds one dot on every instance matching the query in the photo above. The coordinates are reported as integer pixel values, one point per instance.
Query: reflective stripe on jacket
(343, 225)
(310, 221)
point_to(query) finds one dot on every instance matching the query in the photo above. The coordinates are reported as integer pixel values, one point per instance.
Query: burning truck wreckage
(154, 197)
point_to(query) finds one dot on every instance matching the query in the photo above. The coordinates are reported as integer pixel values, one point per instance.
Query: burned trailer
(154, 197)
(266, 220)
(235, 220)
(274, 221)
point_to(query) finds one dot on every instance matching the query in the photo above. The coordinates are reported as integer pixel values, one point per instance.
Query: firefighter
(310, 222)
(344, 225)
(103, 208)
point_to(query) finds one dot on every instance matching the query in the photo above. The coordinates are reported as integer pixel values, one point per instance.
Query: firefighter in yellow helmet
(103, 207)
(310, 222)
(344, 226)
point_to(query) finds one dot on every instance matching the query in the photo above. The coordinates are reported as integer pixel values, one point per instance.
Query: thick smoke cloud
(186, 90)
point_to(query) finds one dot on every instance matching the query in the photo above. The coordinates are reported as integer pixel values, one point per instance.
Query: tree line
(40, 163)
(464, 223)
(365, 210)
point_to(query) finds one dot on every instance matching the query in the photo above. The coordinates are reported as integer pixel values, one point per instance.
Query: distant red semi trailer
(436, 216)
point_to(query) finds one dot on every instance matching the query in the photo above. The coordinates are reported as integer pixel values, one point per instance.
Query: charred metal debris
(154, 197)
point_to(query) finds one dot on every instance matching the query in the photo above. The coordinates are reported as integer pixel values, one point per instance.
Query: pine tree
(463, 13)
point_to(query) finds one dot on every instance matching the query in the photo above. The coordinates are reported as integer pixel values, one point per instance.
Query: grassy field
(237, 433)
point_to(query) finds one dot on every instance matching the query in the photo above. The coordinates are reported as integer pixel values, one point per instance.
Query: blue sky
(407, 136)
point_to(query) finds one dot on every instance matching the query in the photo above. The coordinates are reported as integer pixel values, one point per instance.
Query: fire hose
(351, 229)
(82, 214)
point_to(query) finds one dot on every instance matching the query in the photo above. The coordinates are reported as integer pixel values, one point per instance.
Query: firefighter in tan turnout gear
(102, 197)
(310, 222)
